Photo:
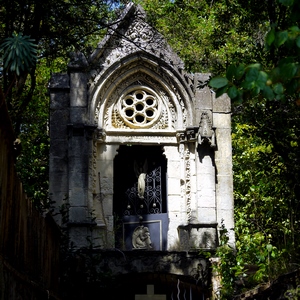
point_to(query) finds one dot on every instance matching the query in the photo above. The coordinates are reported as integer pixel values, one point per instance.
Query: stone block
(206, 200)
(172, 153)
(204, 162)
(78, 148)
(59, 100)
(222, 121)
(224, 167)
(175, 217)
(224, 150)
(77, 196)
(105, 169)
(59, 81)
(224, 184)
(222, 104)
(58, 167)
(78, 89)
(77, 114)
(58, 124)
(77, 179)
(174, 186)
(203, 98)
(59, 149)
(78, 236)
(77, 214)
(175, 204)
(224, 200)
(207, 214)
(174, 168)
(108, 152)
(58, 182)
(206, 182)
(197, 237)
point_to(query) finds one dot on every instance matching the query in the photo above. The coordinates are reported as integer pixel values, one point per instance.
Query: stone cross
(150, 295)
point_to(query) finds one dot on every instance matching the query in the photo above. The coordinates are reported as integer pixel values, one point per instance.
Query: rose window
(140, 107)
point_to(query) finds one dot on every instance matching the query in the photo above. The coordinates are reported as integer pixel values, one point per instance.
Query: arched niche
(140, 71)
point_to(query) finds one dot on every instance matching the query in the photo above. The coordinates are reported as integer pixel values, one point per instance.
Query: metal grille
(152, 202)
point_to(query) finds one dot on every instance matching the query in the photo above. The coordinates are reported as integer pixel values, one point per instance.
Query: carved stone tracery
(157, 108)
(139, 107)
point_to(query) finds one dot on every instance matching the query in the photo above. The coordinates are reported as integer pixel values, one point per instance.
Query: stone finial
(77, 60)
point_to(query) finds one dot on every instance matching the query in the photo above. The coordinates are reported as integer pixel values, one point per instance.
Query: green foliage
(276, 78)
(209, 35)
(227, 267)
(19, 53)
(50, 29)
(33, 162)
(266, 222)
(293, 294)
(266, 150)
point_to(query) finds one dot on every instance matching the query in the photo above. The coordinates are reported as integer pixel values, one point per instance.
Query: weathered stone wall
(29, 242)
(129, 95)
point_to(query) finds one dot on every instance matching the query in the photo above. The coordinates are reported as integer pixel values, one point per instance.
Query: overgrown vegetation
(36, 38)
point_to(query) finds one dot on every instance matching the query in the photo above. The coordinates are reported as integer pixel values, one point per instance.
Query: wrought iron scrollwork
(151, 202)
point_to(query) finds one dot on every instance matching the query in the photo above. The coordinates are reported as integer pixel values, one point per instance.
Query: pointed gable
(134, 62)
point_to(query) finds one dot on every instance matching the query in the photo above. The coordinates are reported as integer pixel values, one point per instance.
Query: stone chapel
(140, 157)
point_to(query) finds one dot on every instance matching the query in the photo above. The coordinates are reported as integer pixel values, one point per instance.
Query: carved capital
(101, 135)
(181, 138)
(191, 134)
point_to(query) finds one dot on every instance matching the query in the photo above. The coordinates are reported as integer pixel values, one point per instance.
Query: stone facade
(130, 120)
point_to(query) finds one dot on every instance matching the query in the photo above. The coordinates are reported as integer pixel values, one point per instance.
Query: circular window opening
(140, 118)
(149, 113)
(139, 96)
(129, 101)
(129, 112)
(149, 101)
(139, 107)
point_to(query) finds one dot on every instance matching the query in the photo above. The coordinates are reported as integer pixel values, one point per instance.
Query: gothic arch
(149, 73)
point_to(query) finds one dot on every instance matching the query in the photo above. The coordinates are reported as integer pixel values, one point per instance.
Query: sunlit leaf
(218, 82)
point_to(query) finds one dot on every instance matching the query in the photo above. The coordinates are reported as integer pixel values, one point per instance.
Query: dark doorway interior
(140, 194)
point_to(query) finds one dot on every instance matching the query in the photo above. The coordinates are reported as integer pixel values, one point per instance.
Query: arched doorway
(140, 197)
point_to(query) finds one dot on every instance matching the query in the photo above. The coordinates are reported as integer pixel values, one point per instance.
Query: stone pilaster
(223, 161)
(59, 88)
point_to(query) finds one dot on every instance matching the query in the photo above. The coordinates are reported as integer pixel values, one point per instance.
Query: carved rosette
(138, 107)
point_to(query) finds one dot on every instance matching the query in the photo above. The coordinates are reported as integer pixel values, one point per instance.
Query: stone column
(79, 143)
(223, 161)
(78, 147)
(206, 185)
(205, 157)
(59, 89)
